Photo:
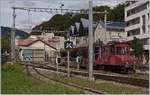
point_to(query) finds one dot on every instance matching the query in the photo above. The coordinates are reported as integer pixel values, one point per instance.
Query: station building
(39, 48)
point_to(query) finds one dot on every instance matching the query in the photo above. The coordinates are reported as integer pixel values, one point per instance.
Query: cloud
(22, 17)
(28, 3)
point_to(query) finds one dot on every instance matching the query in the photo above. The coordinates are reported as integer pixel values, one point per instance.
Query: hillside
(6, 37)
(6, 31)
(62, 22)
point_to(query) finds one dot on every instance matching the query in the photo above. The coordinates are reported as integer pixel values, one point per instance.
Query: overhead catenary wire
(56, 10)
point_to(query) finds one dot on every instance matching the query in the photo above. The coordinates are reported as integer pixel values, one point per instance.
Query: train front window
(121, 50)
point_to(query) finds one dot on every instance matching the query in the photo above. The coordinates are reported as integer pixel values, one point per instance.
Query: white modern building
(137, 18)
(138, 21)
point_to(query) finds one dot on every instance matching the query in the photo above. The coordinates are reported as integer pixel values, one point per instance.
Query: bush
(63, 53)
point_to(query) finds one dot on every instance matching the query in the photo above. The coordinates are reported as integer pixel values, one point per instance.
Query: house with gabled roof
(115, 31)
(32, 49)
(80, 36)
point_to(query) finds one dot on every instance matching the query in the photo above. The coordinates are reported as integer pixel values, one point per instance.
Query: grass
(110, 88)
(15, 80)
(139, 76)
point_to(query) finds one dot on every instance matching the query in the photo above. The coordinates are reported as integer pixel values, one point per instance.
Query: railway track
(64, 83)
(119, 79)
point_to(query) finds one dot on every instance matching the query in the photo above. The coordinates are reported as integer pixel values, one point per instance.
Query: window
(121, 50)
(148, 23)
(133, 32)
(148, 16)
(112, 50)
(133, 21)
(137, 9)
(143, 24)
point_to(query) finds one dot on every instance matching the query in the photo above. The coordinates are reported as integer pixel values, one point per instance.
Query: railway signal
(57, 63)
(68, 44)
(77, 61)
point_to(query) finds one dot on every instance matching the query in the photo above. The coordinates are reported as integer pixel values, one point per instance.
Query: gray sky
(25, 20)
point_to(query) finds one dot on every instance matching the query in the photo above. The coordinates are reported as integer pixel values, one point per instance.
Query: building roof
(114, 25)
(29, 41)
(81, 29)
(85, 22)
(77, 25)
(72, 29)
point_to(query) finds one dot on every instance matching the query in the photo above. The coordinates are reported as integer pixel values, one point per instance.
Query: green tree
(5, 43)
(137, 47)
(118, 11)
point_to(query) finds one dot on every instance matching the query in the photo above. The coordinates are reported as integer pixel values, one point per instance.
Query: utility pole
(44, 50)
(68, 53)
(105, 21)
(90, 41)
(57, 64)
(68, 66)
(13, 58)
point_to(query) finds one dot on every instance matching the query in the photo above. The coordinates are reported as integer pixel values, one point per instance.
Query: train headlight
(134, 62)
(127, 62)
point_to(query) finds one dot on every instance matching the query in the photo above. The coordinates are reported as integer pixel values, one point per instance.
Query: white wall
(108, 35)
(40, 45)
(145, 12)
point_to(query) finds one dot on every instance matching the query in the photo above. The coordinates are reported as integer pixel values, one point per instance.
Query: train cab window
(112, 50)
(121, 50)
(96, 52)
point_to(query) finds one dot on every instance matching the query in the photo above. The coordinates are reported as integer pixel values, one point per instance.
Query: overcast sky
(25, 20)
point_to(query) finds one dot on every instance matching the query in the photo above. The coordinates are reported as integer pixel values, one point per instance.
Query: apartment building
(138, 21)
(137, 18)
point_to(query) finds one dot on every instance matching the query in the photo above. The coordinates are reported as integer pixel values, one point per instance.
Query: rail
(119, 79)
(64, 83)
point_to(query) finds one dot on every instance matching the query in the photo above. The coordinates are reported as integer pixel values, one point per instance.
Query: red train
(116, 55)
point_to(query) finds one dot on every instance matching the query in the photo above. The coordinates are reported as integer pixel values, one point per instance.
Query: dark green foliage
(63, 53)
(6, 37)
(137, 47)
(118, 11)
(6, 43)
(73, 54)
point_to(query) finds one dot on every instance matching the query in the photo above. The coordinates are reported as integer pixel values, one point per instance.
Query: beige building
(50, 38)
(35, 50)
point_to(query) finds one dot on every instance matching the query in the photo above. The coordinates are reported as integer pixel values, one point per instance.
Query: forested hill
(62, 22)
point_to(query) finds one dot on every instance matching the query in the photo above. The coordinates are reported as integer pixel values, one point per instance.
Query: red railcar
(111, 54)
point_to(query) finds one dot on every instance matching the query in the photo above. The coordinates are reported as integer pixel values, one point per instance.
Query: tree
(118, 11)
(137, 47)
(63, 52)
(5, 43)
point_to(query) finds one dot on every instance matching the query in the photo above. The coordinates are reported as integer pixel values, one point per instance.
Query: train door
(106, 51)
